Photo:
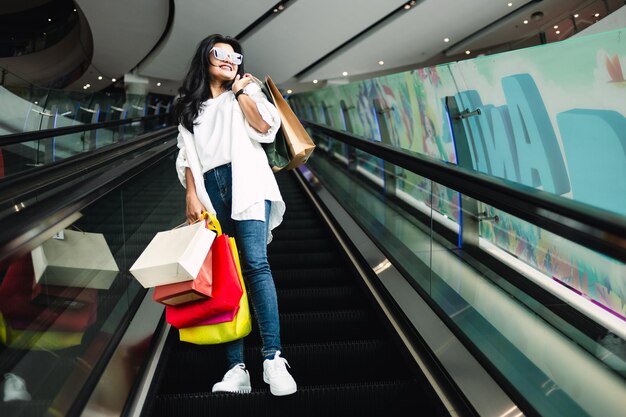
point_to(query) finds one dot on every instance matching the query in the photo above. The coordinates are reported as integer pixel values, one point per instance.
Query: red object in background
(27, 305)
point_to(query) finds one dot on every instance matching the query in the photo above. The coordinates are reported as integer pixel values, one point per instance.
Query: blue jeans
(251, 238)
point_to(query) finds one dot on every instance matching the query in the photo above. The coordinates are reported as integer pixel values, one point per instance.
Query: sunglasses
(222, 55)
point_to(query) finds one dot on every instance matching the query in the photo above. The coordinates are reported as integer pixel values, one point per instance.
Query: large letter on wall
(470, 100)
(540, 159)
(595, 148)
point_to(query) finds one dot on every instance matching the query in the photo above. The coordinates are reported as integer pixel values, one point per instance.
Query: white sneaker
(237, 379)
(275, 373)
(15, 388)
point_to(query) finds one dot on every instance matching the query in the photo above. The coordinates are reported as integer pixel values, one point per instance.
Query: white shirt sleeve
(267, 111)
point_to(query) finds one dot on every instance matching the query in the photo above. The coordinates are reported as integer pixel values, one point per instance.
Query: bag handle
(212, 222)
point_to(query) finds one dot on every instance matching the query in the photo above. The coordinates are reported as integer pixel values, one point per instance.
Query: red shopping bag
(226, 291)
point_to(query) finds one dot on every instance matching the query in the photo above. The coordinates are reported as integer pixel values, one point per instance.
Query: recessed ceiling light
(381, 62)
(289, 91)
(314, 81)
(281, 7)
(446, 40)
(36, 102)
(468, 52)
(84, 87)
(558, 32)
(525, 22)
(556, 26)
(407, 6)
(74, 9)
(597, 15)
(576, 16)
(345, 73)
(99, 77)
(158, 84)
(113, 79)
(510, 4)
(49, 20)
(88, 85)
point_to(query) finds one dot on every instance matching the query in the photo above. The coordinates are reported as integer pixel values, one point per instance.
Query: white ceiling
(307, 30)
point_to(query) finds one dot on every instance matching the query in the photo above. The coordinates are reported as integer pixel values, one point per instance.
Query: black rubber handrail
(21, 186)
(597, 229)
(14, 138)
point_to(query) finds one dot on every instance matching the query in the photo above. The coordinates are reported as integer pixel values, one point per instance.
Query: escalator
(342, 357)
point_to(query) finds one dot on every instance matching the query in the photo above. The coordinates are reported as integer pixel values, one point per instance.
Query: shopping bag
(173, 256)
(226, 292)
(298, 142)
(188, 291)
(75, 259)
(240, 326)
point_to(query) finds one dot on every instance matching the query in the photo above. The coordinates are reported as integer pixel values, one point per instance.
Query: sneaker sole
(243, 390)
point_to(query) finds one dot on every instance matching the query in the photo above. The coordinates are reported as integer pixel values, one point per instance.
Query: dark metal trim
(257, 24)
(598, 229)
(60, 131)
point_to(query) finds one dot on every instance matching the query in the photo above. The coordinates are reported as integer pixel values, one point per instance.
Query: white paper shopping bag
(75, 259)
(173, 256)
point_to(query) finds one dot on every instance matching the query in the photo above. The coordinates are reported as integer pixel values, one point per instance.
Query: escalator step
(321, 277)
(316, 299)
(369, 399)
(312, 364)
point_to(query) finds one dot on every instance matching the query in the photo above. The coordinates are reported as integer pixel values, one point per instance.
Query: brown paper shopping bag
(298, 140)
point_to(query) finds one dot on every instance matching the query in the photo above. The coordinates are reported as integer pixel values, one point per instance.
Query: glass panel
(544, 358)
(62, 304)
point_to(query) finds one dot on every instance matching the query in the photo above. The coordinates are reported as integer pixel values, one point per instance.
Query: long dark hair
(196, 85)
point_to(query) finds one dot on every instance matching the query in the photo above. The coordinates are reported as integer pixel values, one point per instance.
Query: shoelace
(231, 372)
(275, 364)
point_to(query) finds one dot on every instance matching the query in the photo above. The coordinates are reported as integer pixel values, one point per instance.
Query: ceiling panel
(193, 21)
(416, 36)
(307, 30)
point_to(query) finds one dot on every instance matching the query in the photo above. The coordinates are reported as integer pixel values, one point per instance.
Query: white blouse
(222, 135)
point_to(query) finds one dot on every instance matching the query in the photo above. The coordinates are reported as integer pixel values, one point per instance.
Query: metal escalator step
(381, 398)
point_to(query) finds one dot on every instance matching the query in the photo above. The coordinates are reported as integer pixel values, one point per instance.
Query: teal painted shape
(540, 159)
(595, 147)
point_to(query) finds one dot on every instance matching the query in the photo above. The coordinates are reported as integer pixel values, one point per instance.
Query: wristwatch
(238, 93)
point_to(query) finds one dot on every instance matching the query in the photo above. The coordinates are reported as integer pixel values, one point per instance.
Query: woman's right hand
(194, 208)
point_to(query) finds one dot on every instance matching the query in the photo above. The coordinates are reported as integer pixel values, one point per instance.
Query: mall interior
(450, 247)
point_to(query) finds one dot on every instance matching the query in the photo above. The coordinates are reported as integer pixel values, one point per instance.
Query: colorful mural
(551, 117)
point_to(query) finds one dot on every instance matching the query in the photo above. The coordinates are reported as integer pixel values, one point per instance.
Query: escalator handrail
(595, 228)
(14, 138)
(32, 225)
(15, 188)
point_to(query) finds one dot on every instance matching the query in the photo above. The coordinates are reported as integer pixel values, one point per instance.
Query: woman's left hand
(241, 82)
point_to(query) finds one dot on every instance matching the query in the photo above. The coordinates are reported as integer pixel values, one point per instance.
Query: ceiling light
(275, 10)
(314, 81)
(381, 62)
(525, 22)
(113, 79)
(158, 84)
(510, 4)
(468, 52)
(289, 91)
(88, 85)
(74, 9)
(446, 40)
(576, 16)
(345, 73)
(84, 87)
(36, 102)
(281, 7)
(49, 20)
(556, 26)
(100, 77)
(407, 6)
(558, 32)
(597, 15)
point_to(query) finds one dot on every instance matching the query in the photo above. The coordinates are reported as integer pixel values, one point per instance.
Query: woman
(224, 117)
